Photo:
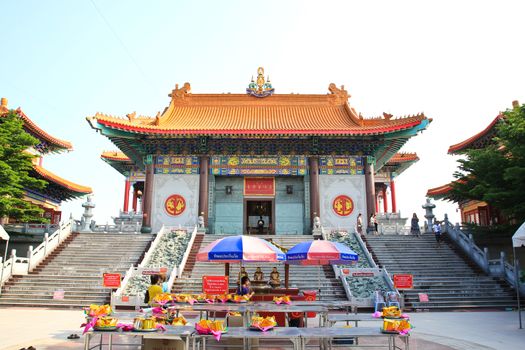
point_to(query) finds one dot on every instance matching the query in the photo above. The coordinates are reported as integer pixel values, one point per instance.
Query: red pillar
(393, 195)
(377, 203)
(134, 200)
(385, 201)
(126, 195)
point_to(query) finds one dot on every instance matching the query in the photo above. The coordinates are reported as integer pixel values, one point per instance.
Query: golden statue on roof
(261, 87)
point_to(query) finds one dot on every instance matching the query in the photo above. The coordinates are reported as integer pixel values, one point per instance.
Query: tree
(496, 173)
(15, 168)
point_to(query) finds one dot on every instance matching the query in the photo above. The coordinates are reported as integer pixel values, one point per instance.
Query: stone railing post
(486, 258)
(46, 237)
(445, 230)
(502, 259)
(29, 257)
(13, 258)
(26, 228)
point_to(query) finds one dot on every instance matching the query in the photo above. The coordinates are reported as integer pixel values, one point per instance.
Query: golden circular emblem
(343, 205)
(175, 205)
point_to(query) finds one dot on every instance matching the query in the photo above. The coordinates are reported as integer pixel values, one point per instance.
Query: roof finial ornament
(262, 87)
(180, 93)
(3, 102)
(340, 95)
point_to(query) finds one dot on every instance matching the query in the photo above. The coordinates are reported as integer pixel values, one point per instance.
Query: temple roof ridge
(69, 185)
(34, 129)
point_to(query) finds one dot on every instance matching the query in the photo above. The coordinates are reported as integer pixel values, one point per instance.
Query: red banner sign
(175, 205)
(403, 281)
(215, 285)
(259, 186)
(111, 280)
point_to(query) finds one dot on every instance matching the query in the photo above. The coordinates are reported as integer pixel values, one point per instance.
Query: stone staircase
(447, 276)
(302, 277)
(76, 267)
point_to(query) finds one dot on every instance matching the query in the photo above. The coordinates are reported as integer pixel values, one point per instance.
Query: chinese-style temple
(233, 158)
(472, 211)
(58, 189)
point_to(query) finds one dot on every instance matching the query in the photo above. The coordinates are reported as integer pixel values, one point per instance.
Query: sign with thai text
(111, 280)
(215, 285)
(58, 294)
(343, 205)
(258, 165)
(175, 205)
(361, 272)
(423, 297)
(259, 186)
(403, 281)
(154, 271)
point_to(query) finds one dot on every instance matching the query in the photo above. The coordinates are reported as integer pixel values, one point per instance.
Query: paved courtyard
(48, 330)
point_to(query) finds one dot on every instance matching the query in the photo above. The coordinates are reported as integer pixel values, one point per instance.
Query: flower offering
(402, 326)
(285, 299)
(95, 310)
(263, 323)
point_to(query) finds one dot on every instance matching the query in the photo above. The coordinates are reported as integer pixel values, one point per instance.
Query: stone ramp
(302, 277)
(76, 267)
(448, 277)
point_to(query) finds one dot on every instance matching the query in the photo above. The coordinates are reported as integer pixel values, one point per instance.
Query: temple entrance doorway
(259, 216)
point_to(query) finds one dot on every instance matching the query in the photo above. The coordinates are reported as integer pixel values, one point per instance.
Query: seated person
(258, 275)
(275, 279)
(244, 288)
(155, 288)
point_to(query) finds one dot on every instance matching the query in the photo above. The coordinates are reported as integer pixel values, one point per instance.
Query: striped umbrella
(320, 252)
(240, 248)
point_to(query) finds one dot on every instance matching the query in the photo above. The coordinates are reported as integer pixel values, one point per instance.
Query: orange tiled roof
(49, 176)
(466, 144)
(439, 191)
(34, 129)
(115, 156)
(403, 157)
(279, 114)
(40, 133)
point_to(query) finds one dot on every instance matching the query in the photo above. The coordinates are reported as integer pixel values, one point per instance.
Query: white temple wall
(332, 186)
(166, 185)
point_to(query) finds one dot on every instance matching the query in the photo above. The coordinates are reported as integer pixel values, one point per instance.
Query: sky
(459, 62)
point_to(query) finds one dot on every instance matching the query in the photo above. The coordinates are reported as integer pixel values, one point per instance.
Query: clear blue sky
(459, 62)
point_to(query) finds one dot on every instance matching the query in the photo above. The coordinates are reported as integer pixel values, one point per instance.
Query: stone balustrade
(168, 252)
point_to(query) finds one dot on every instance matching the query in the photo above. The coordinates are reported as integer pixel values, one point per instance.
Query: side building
(472, 211)
(58, 189)
(233, 158)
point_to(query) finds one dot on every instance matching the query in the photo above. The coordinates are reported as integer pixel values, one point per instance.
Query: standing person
(437, 231)
(359, 224)
(371, 226)
(414, 226)
(164, 282)
(375, 225)
(155, 288)
(260, 225)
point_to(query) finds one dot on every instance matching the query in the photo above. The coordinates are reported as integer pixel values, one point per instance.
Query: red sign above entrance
(259, 186)
(343, 205)
(175, 205)
(215, 285)
(403, 281)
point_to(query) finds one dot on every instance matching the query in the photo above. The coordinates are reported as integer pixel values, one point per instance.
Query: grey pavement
(47, 329)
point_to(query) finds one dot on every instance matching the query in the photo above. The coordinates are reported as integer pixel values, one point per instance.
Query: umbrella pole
(286, 276)
(516, 268)
(319, 277)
